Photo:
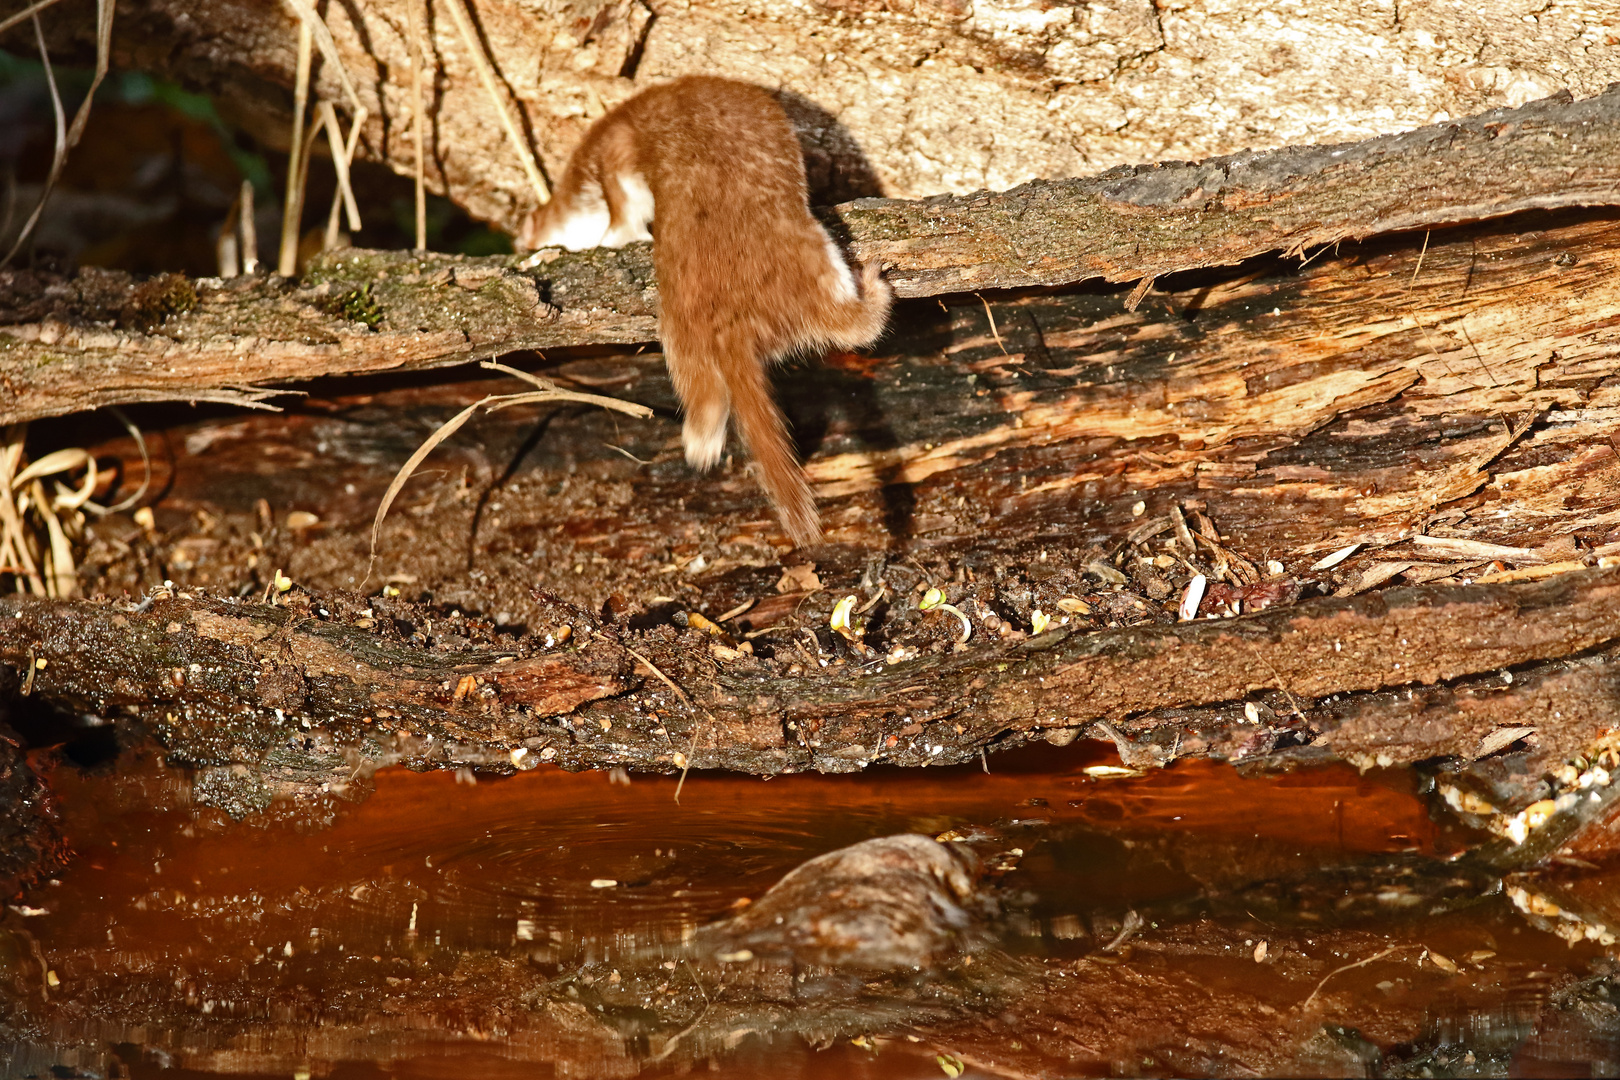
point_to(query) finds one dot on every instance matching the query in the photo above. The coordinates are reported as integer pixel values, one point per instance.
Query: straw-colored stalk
(309, 17)
(293, 205)
(26, 13)
(225, 251)
(250, 230)
(342, 156)
(48, 568)
(486, 75)
(548, 391)
(413, 16)
(68, 139)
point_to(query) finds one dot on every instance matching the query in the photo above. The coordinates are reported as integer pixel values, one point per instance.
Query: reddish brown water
(232, 946)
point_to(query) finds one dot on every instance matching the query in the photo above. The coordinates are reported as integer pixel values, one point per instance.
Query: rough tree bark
(938, 96)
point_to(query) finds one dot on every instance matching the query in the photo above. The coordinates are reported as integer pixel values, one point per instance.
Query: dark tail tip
(763, 428)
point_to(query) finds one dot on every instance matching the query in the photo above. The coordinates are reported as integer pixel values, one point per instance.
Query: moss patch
(151, 302)
(356, 305)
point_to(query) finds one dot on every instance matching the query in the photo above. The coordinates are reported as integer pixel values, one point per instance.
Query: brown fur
(746, 275)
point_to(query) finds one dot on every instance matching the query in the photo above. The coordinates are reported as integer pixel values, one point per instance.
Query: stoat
(710, 171)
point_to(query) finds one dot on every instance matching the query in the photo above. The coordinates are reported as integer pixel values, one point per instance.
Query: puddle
(419, 933)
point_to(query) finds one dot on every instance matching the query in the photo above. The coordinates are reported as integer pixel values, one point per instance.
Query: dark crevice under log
(102, 339)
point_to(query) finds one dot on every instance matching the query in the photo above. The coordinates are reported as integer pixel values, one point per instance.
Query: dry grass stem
(28, 12)
(311, 19)
(684, 762)
(250, 239)
(548, 391)
(342, 151)
(1418, 269)
(61, 146)
(418, 118)
(16, 556)
(293, 206)
(49, 569)
(225, 250)
(994, 332)
(1346, 967)
(486, 75)
(444, 431)
(146, 464)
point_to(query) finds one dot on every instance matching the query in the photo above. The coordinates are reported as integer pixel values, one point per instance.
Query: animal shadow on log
(838, 393)
(836, 168)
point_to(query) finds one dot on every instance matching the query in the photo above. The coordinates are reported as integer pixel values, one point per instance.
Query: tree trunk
(907, 100)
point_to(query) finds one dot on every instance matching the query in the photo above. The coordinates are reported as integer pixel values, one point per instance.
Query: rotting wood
(224, 682)
(102, 339)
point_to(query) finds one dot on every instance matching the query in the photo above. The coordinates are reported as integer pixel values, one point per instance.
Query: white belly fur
(584, 225)
(638, 213)
(844, 281)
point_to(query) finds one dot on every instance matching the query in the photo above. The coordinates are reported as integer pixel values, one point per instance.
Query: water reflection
(442, 926)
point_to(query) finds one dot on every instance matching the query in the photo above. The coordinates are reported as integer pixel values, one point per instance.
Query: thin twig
(1278, 679)
(486, 75)
(1418, 269)
(1340, 970)
(675, 1039)
(1139, 290)
(686, 765)
(667, 681)
(626, 453)
(1463, 329)
(993, 331)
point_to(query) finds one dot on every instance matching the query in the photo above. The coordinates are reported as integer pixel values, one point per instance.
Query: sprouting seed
(840, 617)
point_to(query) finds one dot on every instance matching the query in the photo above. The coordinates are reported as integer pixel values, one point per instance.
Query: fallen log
(104, 339)
(1436, 413)
(226, 683)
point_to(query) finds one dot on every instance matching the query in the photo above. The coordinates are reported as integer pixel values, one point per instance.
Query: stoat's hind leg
(706, 400)
(841, 284)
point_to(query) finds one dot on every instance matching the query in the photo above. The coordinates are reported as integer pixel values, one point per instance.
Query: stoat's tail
(763, 428)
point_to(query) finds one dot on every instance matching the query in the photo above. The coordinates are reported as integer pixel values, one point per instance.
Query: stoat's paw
(705, 440)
